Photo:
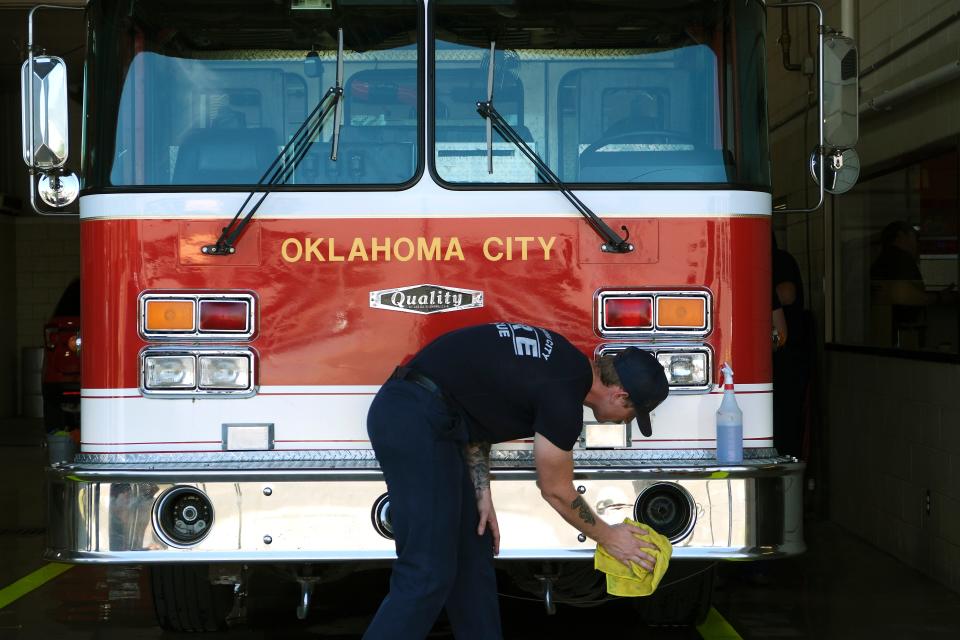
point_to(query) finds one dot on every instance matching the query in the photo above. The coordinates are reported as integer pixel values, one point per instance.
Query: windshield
(608, 92)
(208, 93)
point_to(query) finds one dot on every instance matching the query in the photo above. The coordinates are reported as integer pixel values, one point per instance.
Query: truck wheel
(683, 598)
(185, 601)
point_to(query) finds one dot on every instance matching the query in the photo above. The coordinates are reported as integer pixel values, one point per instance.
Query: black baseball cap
(642, 377)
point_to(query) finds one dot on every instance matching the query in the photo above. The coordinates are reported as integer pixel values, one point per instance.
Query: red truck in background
(60, 376)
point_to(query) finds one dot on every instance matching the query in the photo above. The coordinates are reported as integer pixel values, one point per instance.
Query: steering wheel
(639, 137)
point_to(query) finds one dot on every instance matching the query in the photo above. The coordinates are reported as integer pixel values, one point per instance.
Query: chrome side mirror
(44, 113)
(841, 92)
(44, 116)
(840, 171)
(58, 190)
(834, 163)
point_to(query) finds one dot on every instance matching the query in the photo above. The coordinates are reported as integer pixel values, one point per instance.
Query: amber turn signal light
(681, 313)
(169, 315)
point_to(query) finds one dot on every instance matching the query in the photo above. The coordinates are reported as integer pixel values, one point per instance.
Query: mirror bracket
(58, 187)
(824, 155)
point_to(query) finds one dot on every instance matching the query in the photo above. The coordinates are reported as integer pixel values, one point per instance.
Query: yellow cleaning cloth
(635, 580)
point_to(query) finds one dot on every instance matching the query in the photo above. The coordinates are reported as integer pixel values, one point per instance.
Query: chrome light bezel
(198, 298)
(188, 360)
(196, 390)
(654, 332)
(687, 352)
(657, 349)
(241, 359)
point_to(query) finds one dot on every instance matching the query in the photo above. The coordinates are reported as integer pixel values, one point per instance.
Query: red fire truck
(281, 200)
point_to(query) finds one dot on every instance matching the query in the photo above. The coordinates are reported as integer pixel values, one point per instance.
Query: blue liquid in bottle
(729, 423)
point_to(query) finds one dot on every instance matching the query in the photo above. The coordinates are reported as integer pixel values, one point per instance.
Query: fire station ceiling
(564, 24)
(60, 32)
(261, 24)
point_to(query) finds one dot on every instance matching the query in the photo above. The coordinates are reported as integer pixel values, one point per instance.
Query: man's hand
(488, 516)
(555, 479)
(478, 461)
(619, 541)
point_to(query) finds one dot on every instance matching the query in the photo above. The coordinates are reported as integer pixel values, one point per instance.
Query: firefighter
(431, 426)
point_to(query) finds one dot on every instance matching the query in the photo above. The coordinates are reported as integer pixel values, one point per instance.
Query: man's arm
(555, 480)
(478, 461)
(910, 293)
(779, 328)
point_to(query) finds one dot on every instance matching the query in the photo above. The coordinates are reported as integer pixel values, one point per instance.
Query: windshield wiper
(613, 243)
(282, 167)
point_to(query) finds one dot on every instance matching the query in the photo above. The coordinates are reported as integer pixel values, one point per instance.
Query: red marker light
(224, 315)
(628, 313)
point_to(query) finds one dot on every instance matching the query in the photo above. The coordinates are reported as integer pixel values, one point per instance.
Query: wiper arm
(338, 111)
(613, 243)
(493, 53)
(282, 168)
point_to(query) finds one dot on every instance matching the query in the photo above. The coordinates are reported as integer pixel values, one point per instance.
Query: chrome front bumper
(283, 511)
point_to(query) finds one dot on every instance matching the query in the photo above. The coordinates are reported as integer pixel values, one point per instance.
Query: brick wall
(894, 441)
(891, 425)
(47, 259)
(8, 321)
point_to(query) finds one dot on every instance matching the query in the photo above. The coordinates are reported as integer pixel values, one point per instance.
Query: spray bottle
(729, 423)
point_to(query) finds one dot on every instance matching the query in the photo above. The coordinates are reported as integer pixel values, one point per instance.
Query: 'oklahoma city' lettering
(404, 249)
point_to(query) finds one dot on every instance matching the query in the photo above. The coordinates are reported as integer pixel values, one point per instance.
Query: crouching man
(431, 426)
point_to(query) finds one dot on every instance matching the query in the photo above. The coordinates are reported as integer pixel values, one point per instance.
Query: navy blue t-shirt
(511, 381)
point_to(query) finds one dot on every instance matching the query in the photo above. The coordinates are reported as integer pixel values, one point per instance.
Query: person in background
(791, 358)
(898, 294)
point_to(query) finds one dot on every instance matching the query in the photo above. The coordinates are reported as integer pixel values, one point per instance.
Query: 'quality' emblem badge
(426, 299)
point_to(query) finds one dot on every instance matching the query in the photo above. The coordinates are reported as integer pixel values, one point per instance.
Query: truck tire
(186, 602)
(683, 599)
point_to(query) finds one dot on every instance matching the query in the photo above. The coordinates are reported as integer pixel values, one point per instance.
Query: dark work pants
(789, 394)
(441, 561)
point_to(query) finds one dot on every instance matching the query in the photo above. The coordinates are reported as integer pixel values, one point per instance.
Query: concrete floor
(842, 588)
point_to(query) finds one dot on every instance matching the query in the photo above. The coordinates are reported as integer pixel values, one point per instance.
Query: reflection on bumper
(103, 514)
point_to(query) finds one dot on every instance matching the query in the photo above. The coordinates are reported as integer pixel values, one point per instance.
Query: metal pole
(848, 18)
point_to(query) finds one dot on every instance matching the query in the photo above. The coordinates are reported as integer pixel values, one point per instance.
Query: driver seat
(214, 156)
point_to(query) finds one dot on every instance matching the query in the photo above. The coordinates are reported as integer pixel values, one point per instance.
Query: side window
(899, 238)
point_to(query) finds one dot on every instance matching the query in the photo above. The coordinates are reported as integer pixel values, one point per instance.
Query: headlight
(224, 372)
(684, 369)
(170, 372)
(198, 372)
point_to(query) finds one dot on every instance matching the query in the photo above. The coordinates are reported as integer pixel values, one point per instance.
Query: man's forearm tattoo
(478, 459)
(583, 510)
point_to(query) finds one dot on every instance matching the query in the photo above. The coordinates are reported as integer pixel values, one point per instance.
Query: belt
(456, 428)
(417, 378)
